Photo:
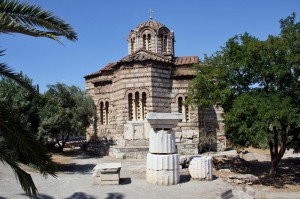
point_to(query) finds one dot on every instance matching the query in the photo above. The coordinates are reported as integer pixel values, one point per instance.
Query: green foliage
(20, 101)
(257, 84)
(19, 122)
(21, 17)
(16, 126)
(66, 111)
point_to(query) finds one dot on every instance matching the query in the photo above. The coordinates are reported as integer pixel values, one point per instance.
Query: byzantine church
(151, 78)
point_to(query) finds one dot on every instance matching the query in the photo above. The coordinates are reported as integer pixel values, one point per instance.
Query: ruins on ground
(151, 78)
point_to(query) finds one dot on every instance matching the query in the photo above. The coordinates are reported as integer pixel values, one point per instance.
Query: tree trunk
(275, 154)
(63, 142)
(59, 145)
(274, 166)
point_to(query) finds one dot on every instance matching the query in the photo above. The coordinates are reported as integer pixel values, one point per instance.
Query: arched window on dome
(148, 42)
(132, 44)
(144, 41)
(164, 43)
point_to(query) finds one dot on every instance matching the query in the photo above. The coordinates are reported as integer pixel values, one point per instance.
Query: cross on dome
(150, 12)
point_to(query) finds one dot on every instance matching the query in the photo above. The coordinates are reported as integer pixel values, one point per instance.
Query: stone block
(188, 133)
(106, 173)
(110, 182)
(225, 193)
(96, 180)
(178, 134)
(110, 176)
(128, 131)
(165, 120)
(177, 140)
(162, 162)
(147, 129)
(163, 177)
(139, 131)
(162, 142)
(201, 167)
(108, 167)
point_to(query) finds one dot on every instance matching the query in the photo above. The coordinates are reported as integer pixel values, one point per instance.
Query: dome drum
(152, 36)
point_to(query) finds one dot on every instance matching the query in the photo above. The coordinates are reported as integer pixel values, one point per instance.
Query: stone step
(162, 162)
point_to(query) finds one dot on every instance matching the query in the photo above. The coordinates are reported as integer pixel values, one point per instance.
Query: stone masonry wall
(162, 93)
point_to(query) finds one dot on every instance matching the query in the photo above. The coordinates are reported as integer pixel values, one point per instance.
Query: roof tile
(186, 60)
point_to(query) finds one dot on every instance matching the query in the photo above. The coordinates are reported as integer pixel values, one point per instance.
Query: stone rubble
(237, 179)
(201, 168)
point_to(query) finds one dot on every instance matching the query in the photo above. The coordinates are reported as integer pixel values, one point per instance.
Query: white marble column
(162, 161)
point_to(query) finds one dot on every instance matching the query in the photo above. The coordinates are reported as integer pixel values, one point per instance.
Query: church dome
(153, 36)
(154, 25)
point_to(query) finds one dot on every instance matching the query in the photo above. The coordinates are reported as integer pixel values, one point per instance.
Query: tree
(17, 17)
(66, 111)
(257, 84)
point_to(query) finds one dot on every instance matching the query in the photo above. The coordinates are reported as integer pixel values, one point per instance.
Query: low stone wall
(138, 152)
(96, 148)
(187, 149)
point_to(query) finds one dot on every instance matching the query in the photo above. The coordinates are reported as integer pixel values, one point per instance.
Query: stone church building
(151, 78)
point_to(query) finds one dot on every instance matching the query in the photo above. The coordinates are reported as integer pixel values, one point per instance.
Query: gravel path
(75, 181)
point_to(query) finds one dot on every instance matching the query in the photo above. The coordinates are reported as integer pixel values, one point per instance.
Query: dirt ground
(257, 162)
(74, 179)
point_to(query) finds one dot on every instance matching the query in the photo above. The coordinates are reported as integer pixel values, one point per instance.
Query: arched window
(130, 107)
(144, 41)
(148, 42)
(132, 43)
(106, 112)
(183, 108)
(179, 104)
(144, 106)
(164, 43)
(138, 105)
(187, 111)
(101, 112)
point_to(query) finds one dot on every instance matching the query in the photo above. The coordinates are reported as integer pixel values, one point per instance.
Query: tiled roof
(186, 60)
(106, 67)
(144, 55)
(109, 66)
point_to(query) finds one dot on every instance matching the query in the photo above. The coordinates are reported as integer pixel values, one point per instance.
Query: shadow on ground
(114, 196)
(80, 195)
(40, 196)
(73, 167)
(125, 181)
(76, 195)
(184, 178)
(288, 170)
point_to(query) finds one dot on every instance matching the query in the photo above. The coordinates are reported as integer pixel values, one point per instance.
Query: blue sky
(103, 26)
